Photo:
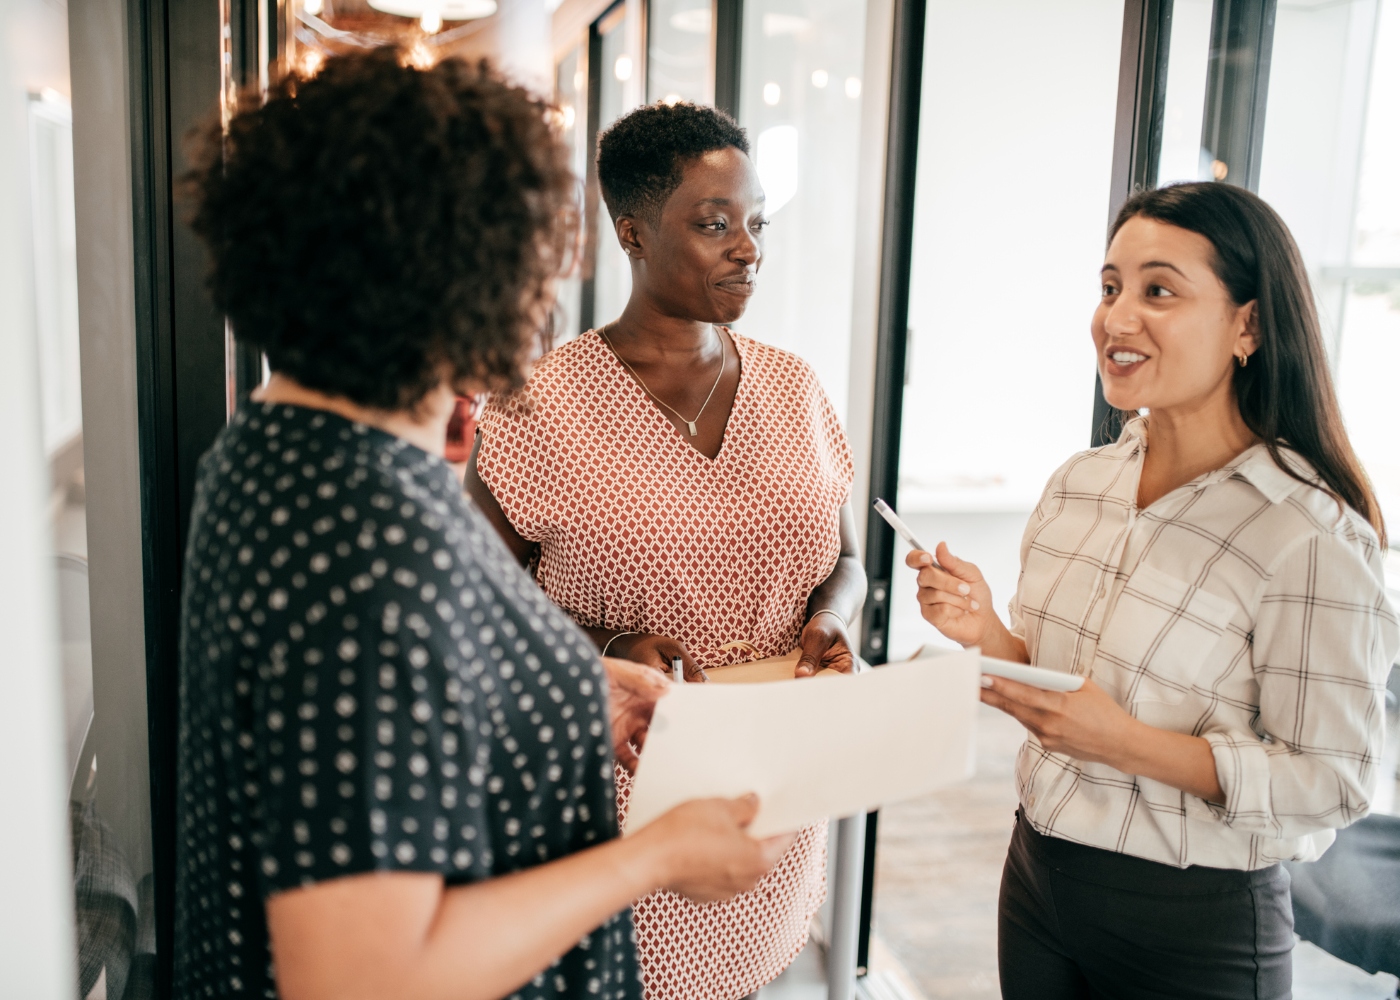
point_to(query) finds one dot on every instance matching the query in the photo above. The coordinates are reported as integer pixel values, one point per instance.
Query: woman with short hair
(1215, 575)
(682, 491)
(395, 772)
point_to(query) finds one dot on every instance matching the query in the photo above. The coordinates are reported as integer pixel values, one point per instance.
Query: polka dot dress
(370, 683)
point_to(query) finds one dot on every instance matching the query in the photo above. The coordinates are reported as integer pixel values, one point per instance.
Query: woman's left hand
(633, 691)
(825, 646)
(1086, 724)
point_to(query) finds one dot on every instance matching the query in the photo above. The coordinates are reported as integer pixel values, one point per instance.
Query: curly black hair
(642, 154)
(376, 222)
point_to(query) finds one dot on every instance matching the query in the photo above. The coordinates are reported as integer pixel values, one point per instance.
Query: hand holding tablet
(1023, 673)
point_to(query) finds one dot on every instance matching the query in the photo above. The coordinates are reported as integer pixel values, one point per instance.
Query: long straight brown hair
(1285, 393)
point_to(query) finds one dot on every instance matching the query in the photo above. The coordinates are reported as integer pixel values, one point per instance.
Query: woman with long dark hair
(1215, 576)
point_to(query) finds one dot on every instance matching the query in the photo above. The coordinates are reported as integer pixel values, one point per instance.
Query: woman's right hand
(656, 651)
(706, 854)
(955, 599)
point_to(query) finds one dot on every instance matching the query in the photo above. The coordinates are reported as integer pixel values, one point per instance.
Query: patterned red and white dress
(639, 531)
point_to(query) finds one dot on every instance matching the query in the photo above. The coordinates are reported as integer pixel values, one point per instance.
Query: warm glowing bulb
(672, 99)
(431, 21)
(772, 93)
(622, 69)
(853, 87)
(567, 111)
(312, 7)
(820, 78)
(311, 62)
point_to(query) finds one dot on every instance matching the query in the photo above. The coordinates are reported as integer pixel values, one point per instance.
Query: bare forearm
(498, 934)
(471, 942)
(1000, 644)
(1176, 759)
(842, 592)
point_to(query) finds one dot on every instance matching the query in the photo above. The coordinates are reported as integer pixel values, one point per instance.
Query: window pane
(1331, 159)
(619, 91)
(801, 83)
(571, 94)
(1014, 168)
(1182, 158)
(680, 51)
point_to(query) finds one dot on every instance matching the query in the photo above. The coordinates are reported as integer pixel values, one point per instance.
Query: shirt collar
(1254, 465)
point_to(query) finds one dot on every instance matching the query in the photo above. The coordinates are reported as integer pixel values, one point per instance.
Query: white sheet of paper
(811, 749)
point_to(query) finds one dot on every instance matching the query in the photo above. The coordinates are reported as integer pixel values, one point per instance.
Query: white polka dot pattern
(639, 531)
(369, 682)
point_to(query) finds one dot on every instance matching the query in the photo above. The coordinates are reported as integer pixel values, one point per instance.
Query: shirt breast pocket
(1159, 636)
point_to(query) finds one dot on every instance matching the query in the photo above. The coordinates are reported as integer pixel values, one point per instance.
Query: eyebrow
(1149, 264)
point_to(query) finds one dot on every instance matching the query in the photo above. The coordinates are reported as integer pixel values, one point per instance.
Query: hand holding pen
(658, 651)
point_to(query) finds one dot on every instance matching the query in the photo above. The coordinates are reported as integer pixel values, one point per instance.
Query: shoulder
(770, 360)
(1302, 514)
(560, 379)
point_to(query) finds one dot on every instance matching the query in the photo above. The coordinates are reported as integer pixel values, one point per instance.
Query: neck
(1193, 439)
(424, 425)
(645, 332)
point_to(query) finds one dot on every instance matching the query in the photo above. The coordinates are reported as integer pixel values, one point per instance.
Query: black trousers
(1079, 922)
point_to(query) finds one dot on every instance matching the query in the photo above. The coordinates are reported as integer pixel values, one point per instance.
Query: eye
(1158, 292)
(761, 224)
(717, 226)
(1109, 289)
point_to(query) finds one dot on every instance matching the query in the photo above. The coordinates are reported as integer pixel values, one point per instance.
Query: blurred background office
(897, 140)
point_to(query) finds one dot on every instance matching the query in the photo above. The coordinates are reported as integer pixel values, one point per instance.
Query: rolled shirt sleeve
(1324, 641)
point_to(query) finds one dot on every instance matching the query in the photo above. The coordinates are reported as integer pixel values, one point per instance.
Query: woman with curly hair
(684, 491)
(396, 755)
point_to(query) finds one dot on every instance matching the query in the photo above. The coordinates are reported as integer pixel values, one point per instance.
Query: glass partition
(571, 94)
(617, 89)
(681, 51)
(1330, 167)
(1014, 168)
(1182, 157)
(800, 88)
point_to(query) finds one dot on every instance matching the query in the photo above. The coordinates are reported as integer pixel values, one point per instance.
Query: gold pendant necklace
(689, 424)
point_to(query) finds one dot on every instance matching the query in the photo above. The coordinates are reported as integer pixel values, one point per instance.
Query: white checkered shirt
(1244, 607)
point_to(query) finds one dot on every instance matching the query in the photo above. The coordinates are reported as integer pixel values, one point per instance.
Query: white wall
(36, 936)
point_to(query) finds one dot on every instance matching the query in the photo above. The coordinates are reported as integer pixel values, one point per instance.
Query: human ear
(1247, 339)
(629, 235)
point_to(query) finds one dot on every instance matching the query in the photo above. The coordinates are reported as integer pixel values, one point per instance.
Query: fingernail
(976, 606)
(986, 681)
(964, 589)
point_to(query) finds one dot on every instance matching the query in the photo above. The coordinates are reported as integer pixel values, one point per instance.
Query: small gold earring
(1243, 359)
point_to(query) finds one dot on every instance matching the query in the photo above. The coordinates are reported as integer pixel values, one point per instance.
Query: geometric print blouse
(1244, 607)
(369, 682)
(639, 531)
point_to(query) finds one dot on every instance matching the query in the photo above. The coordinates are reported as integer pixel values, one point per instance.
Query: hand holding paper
(812, 749)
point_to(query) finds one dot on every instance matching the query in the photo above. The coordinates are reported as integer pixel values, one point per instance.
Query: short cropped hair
(642, 154)
(377, 222)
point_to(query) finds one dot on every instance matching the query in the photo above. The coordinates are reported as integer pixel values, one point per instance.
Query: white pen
(677, 669)
(902, 529)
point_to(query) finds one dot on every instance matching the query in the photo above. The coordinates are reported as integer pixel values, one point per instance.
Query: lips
(1123, 361)
(743, 284)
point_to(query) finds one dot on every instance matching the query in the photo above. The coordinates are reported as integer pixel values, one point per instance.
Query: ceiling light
(853, 87)
(622, 69)
(312, 7)
(431, 21)
(820, 78)
(695, 21)
(447, 10)
(772, 93)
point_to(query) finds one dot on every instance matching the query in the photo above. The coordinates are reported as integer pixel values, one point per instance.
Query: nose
(1123, 318)
(747, 249)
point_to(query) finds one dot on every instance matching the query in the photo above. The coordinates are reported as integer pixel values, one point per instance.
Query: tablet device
(1049, 680)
